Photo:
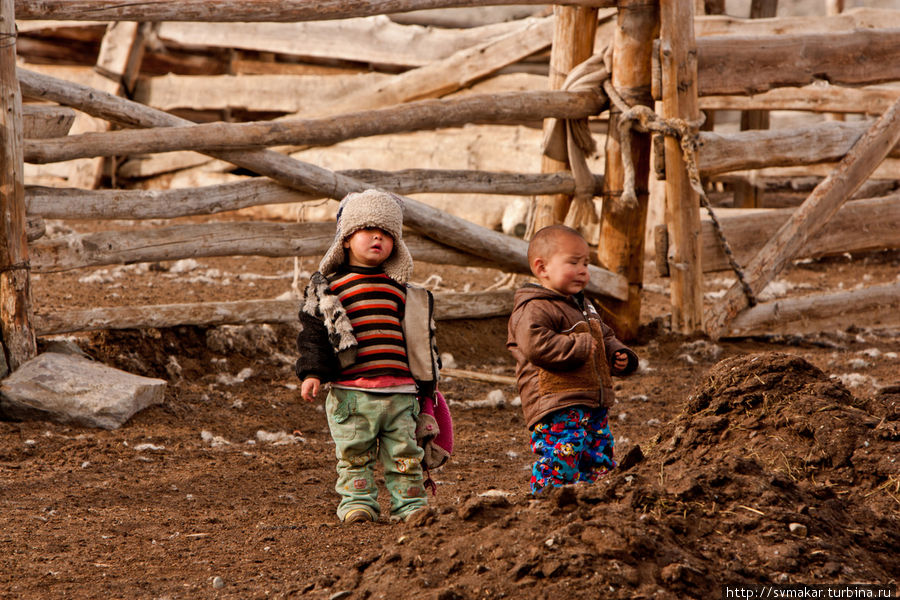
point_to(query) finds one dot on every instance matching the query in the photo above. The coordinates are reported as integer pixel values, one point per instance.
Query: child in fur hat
(371, 336)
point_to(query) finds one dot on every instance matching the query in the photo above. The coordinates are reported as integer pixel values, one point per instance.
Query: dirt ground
(746, 461)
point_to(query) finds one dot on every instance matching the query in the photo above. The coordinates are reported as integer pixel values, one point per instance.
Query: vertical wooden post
(678, 56)
(747, 195)
(621, 247)
(573, 43)
(19, 343)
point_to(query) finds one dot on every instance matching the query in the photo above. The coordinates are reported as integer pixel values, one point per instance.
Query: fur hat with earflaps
(371, 208)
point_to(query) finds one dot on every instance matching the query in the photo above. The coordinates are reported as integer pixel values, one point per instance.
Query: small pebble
(218, 583)
(798, 529)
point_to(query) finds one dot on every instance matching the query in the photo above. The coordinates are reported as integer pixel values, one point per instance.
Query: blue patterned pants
(573, 444)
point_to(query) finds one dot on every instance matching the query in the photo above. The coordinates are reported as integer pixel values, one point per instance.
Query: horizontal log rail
(877, 305)
(505, 108)
(75, 203)
(247, 10)
(214, 239)
(757, 149)
(448, 305)
(508, 252)
(722, 61)
(859, 226)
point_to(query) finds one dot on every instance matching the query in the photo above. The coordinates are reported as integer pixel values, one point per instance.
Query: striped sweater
(374, 303)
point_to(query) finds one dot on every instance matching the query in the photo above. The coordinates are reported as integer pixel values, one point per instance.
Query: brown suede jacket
(563, 351)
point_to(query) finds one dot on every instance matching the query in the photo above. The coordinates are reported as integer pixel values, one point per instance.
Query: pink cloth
(434, 414)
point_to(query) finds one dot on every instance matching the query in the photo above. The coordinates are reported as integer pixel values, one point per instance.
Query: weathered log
(810, 217)
(876, 306)
(872, 100)
(16, 327)
(213, 239)
(858, 226)
(854, 19)
(374, 40)
(455, 72)
(476, 376)
(722, 60)
(621, 248)
(448, 305)
(826, 142)
(46, 121)
(246, 10)
(67, 203)
(508, 108)
(508, 252)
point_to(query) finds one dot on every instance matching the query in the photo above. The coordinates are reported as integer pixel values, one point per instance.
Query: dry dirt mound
(773, 473)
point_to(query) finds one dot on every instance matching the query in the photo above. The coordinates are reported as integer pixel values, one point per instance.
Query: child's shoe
(358, 515)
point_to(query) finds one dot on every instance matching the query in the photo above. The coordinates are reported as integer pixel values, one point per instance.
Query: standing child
(564, 358)
(369, 334)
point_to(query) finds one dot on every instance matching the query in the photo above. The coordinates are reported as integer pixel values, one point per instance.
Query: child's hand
(620, 360)
(309, 389)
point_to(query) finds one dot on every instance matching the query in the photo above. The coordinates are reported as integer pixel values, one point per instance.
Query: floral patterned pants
(573, 444)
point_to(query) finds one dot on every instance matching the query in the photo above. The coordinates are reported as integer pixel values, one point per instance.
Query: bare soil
(747, 461)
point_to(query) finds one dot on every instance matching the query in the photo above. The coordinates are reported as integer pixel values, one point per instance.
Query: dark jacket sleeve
(613, 345)
(317, 357)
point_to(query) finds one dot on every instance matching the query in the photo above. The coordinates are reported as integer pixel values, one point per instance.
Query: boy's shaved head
(546, 240)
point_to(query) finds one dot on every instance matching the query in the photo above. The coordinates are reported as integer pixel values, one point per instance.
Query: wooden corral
(157, 109)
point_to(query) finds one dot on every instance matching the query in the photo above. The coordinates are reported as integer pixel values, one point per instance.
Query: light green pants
(367, 426)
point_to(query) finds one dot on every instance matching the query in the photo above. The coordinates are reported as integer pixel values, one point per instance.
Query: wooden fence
(660, 60)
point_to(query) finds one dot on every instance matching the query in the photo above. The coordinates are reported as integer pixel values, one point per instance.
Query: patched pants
(369, 427)
(572, 445)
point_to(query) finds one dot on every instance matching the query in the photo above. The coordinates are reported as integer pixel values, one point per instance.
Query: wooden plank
(510, 107)
(301, 94)
(876, 306)
(62, 203)
(16, 325)
(856, 18)
(722, 60)
(873, 100)
(621, 248)
(679, 81)
(861, 225)
(810, 217)
(304, 94)
(376, 40)
(509, 253)
(212, 239)
(46, 120)
(111, 62)
(448, 305)
(240, 11)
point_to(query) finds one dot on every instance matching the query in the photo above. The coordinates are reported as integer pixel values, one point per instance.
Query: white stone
(73, 389)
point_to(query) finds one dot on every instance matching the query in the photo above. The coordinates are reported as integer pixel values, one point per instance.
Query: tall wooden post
(15, 284)
(573, 43)
(622, 227)
(678, 56)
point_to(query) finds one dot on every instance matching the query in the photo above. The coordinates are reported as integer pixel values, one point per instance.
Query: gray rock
(71, 389)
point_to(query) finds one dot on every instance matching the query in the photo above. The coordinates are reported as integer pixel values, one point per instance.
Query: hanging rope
(643, 118)
(570, 140)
